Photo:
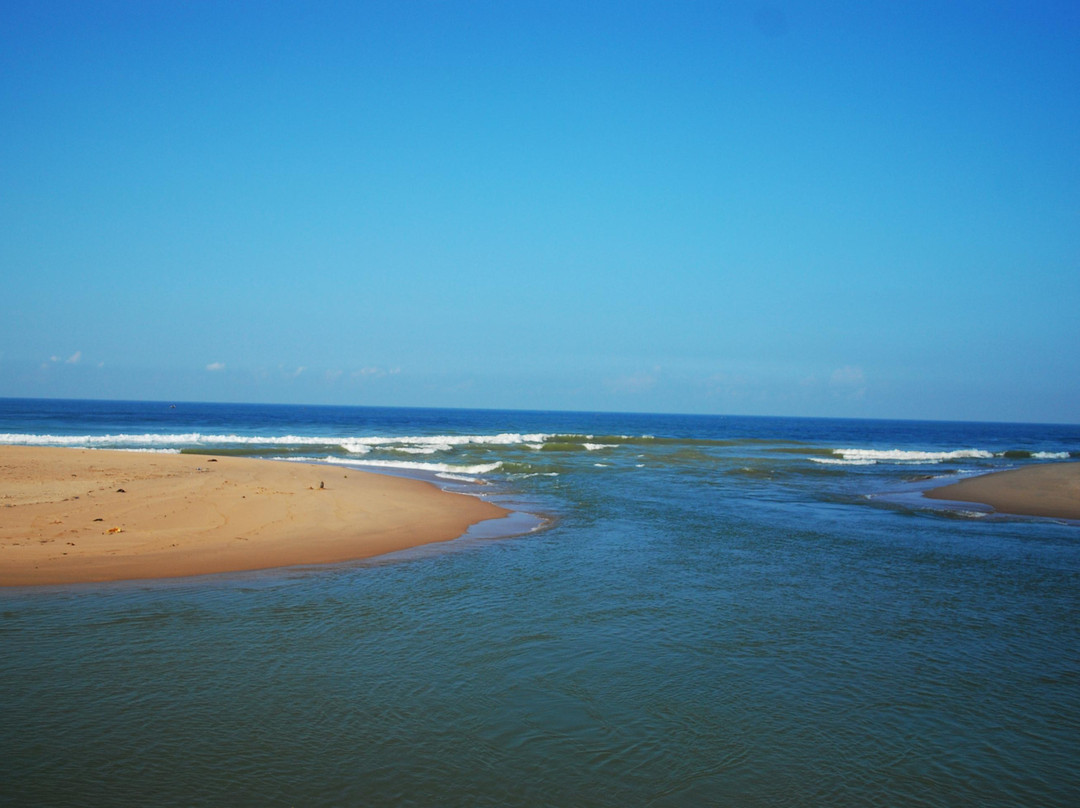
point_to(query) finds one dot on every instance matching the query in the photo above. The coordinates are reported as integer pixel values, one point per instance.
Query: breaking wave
(408, 465)
(869, 457)
(528, 452)
(419, 444)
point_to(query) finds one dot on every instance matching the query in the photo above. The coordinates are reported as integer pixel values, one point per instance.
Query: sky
(838, 209)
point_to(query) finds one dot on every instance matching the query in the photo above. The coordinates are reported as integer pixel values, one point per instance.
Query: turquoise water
(724, 611)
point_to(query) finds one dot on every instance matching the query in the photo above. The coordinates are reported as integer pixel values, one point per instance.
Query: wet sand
(80, 515)
(1050, 489)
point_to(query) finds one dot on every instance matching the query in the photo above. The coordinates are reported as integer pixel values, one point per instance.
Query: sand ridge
(1047, 489)
(82, 515)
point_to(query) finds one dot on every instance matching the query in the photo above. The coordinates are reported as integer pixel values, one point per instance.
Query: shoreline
(1049, 490)
(71, 516)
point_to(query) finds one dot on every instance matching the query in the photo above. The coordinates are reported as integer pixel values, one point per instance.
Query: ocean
(695, 610)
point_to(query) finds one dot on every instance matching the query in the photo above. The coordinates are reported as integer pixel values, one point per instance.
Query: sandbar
(1049, 489)
(88, 515)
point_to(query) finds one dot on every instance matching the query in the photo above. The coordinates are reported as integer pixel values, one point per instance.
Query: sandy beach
(78, 515)
(1051, 489)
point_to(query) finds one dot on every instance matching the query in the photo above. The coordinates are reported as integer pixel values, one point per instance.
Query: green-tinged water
(702, 625)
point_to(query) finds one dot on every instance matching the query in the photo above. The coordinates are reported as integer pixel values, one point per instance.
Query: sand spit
(81, 515)
(1050, 489)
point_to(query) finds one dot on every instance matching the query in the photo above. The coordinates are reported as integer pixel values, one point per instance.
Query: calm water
(726, 611)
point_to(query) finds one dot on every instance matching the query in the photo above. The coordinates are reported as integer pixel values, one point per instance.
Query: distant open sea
(721, 611)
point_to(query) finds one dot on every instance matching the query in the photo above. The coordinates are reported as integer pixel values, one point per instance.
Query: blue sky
(823, 209)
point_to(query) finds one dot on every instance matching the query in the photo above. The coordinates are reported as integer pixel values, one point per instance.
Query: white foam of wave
(417, 444)
(868, 457)
(1051, 455)
(158, 439)
(592, 447)
(445, 442)
(458, 478)
(435, 468)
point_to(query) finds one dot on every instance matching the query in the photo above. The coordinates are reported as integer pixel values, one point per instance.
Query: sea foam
(869, 457)
(435, 468)
(417, 444)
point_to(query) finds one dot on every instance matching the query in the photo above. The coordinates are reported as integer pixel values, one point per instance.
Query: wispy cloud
(728, 385)
(74, 358)
(373, 372)
(635, 382)
(215, 366)
(848, 380)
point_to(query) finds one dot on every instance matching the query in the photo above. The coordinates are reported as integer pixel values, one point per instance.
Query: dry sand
(1051, 489)
(81, 515)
